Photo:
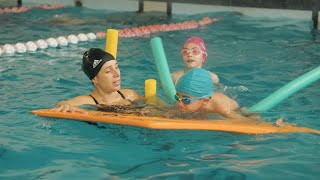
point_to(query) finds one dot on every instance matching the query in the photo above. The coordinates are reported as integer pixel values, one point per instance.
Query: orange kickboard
(228, 125)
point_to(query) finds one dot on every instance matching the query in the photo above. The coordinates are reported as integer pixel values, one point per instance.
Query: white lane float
(72, 39)
(31, 46)
(42, 44)
(62, 41)
(8, 49)
(20, 48)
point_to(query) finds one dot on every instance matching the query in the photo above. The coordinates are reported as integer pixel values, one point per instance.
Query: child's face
(195, 105)
(192, 56)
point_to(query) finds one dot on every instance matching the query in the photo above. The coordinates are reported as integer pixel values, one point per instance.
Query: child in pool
(194, 55)
(195, 94)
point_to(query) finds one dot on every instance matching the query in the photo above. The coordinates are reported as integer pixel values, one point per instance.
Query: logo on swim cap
(96, 63)
(93, 60)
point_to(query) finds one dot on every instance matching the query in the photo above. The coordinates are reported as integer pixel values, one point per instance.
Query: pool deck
(298, 9)
(177, 8)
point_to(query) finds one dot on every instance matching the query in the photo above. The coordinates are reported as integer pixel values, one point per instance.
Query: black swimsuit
(123, 97)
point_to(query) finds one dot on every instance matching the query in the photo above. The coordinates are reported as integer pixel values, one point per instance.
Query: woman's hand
(65, 107)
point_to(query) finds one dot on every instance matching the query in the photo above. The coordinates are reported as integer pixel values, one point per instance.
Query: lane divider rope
(62, 41)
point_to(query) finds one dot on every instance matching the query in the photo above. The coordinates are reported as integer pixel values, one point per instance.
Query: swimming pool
(253, 56)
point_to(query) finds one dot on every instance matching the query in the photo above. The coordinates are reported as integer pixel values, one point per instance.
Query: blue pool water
(252, 56)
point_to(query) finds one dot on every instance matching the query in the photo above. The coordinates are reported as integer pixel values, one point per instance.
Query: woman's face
(192, 56)
(108, 78)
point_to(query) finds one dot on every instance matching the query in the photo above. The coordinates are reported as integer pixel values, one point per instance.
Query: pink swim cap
(200, 43)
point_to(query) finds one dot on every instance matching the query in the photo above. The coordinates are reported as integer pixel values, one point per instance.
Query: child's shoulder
(176, 75)
(179, 72)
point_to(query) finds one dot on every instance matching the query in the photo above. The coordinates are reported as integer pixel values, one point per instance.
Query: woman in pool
(103, 71)
(195, 94)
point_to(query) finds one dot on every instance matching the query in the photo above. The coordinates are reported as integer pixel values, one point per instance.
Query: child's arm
(216, 81)
(230, 109)
(214, 77)
(235, 115)
(225, 106)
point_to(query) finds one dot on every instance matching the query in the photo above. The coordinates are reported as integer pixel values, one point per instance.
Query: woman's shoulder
(78, 100)
(130, 94)
(127, 90)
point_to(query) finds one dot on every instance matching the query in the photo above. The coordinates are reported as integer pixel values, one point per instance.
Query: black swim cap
(93, 60)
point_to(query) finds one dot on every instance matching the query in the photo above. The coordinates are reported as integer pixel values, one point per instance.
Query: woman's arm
(70, 105)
